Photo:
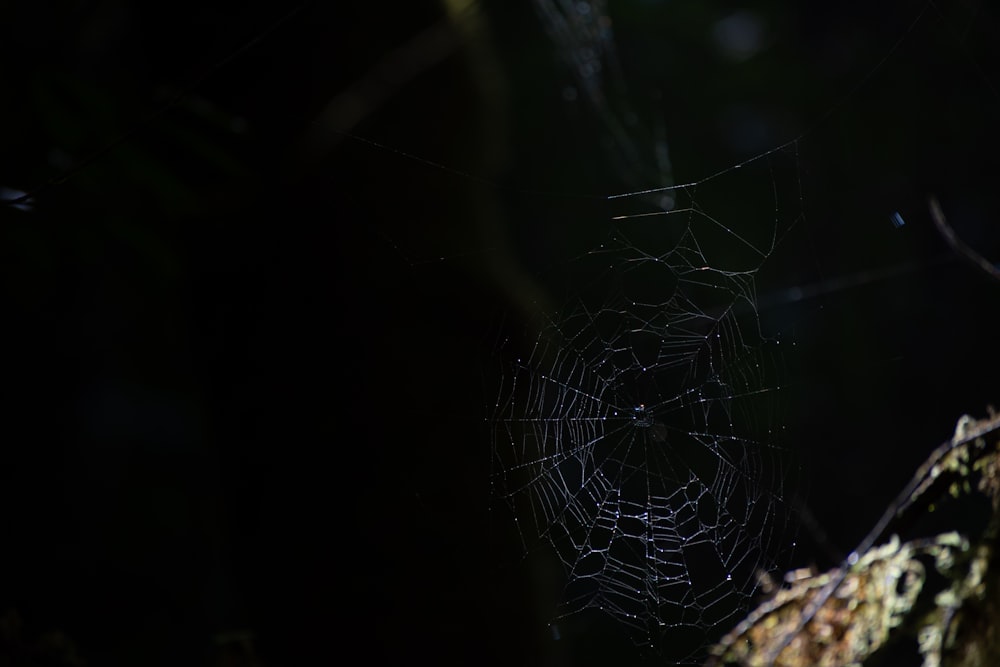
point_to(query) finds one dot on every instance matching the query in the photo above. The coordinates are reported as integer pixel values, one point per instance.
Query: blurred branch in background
(381, 83)
(959, 246)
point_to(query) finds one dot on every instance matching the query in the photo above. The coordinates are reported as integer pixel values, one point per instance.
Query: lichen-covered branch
(880, 594)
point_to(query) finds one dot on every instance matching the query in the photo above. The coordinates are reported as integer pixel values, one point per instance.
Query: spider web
(636, 426)
(636, 434)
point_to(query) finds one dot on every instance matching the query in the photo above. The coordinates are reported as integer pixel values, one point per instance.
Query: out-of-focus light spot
(10, 194)
(739, 36)
(897, 219)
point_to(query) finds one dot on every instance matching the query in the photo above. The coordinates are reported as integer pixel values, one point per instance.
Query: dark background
(268, 256)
